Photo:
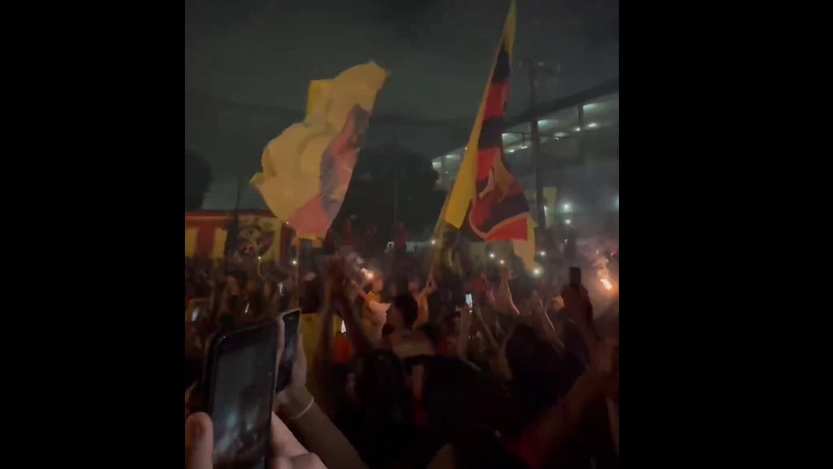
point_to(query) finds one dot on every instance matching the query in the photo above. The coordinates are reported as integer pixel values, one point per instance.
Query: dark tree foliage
(383, 171)
(198, 179)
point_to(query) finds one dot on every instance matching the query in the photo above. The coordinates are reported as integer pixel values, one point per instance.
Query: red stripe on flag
(516, 229)
(495, 100)
(485, 158)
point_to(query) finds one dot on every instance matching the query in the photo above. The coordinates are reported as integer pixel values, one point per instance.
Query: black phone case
(206, 384)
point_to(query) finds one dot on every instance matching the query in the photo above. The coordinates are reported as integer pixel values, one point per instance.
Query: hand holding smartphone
(237, 389)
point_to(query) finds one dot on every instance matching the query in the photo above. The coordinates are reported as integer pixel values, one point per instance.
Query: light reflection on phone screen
(241, 411)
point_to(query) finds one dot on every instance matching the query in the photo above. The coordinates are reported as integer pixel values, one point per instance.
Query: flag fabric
(486, 202)
(307, 169)
(525, 249)
(317, 88)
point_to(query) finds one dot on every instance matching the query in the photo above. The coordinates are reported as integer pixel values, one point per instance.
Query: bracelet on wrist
(306, 409)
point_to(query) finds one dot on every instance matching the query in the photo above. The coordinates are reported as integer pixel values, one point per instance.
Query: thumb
(199, 441)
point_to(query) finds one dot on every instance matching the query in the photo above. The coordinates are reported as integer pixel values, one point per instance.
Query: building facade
(579, 158)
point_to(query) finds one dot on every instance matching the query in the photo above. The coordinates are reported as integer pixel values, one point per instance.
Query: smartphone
(196, 308)
(469, 300)
(291, 322)
(575, 276)
(237, 389)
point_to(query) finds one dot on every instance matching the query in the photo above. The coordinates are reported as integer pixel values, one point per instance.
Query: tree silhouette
(383, 171)
(198, 179)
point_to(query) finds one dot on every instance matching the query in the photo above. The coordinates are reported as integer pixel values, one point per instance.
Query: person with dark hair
(375, 422)
(404, 340)
(464, 411)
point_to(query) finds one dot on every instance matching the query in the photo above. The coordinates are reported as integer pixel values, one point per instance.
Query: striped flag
(486, 202)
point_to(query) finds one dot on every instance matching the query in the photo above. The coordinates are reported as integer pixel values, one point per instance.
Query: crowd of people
(407, 374)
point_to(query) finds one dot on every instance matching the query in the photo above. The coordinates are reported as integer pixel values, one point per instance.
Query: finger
(193, 399)
(307, 461)
(199, 441)
(188, 394)
(284, 443)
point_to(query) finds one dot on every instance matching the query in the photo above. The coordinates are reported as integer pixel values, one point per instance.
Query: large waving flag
(307, 168)
(486, 202)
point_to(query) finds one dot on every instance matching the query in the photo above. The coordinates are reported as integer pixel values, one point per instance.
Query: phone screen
(291, 321)
(469, 300)
(241, 403)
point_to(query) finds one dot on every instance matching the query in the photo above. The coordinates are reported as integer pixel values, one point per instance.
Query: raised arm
(504, 294)
(301, 413)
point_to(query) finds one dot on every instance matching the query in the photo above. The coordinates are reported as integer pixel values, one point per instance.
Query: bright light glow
(568, 221)
(536, 271)
(433, 242)
(502, 262)
(491, 255)
(542, 253)
(343, 327)
(567, 207)
(606, 284)
(294, 262)
(577, 129)
(560, 134)
(592, 125)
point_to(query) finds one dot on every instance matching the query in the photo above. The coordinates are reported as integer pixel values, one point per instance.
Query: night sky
(248, 64)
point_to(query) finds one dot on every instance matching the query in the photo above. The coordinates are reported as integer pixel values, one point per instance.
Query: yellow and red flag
(486, 201)
(307, 169)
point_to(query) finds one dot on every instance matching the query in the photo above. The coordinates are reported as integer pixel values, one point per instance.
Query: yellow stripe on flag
(190, 241)
(525, 249)
(461, 194)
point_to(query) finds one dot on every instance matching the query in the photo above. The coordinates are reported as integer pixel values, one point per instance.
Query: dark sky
(248, 63)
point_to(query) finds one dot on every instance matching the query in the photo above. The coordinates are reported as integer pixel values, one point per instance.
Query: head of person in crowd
(380, 386)
(464, 408)
(537, 375)
(403, 313)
